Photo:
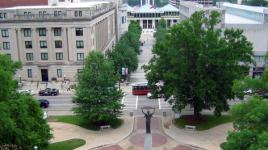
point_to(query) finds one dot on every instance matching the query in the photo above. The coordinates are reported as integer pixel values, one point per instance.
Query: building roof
(12, 3)
(234, 19)
(69, 5)
(168, 7)
(150, 9)
(244, 7)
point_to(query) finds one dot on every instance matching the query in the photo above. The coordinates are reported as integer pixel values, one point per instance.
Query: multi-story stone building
(52, 40)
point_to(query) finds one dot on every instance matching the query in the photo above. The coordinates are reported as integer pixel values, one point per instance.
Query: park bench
(105, 127)
(190, 127)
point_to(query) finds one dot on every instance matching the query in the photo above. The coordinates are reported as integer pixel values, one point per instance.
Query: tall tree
(97, 96)
(7, 70)
(250, 124)
(21, 123)
(198, 62)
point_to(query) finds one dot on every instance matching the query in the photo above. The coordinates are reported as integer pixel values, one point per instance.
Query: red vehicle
(140, 88)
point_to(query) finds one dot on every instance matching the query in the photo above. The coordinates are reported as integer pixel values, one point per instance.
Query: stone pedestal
(148, 142)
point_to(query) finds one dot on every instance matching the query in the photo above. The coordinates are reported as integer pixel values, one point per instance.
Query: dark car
(44, 103)
(264, 95)
(49, 92)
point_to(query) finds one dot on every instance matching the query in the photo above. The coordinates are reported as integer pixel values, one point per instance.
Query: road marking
(122, 101)
(159, 103)
(137, 98)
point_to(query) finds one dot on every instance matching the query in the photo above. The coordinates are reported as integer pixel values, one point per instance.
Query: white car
(26, 92)
(248, 91)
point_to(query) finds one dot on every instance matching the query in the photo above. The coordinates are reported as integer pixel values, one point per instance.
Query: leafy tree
(124, 56)
(97, 96)
(197, 63)
(7, 70)
(250, 124)
(257, 85)
(21, 123)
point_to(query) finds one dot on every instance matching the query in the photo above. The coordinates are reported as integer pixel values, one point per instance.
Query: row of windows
(59, 56)
(3, 15)
(58, 44)
(153, 15)
(59, 73)
(56, 13)
(42, 32)
(43, 44)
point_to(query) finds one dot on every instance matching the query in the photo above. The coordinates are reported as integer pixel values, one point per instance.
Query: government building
(53, 40)
(148, 16)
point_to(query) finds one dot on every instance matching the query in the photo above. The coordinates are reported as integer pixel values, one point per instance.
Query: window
(79, 44)
(58, 44)
(44, 56)
(59, 56)
(27, 32)
(28, 44)
(5, 33)
(79, 71)
(27, 13)
(3, 15)
(78, 13)
(43, 44)
(79, 31)
(29, 56)
(29, 73)
(59, 73)
(57, 31)
(57, 13)
(80, 56)
(6, 45)
(42, 31)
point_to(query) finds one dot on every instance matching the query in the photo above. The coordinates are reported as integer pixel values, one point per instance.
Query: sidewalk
(64, 87)
(209, 139)
(64, 131)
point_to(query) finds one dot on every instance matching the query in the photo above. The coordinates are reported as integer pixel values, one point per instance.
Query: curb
(112, 143)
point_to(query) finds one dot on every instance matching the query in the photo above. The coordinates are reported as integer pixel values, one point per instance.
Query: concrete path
(64, 131)
(208, 139)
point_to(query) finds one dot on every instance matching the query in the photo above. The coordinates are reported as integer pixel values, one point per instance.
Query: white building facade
(148, 16)
(52, 41)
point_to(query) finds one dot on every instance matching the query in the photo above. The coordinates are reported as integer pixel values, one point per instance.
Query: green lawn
(77, 120)
(67, 145)
(211, 122)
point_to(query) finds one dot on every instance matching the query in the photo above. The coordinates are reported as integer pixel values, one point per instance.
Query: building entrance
(44, 74)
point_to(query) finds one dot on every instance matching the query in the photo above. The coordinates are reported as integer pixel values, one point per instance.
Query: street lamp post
(148, 114)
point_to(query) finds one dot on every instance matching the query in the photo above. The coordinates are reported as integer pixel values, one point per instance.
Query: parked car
(264, 95)
(49, 92)
(26, 92)
(44, 103)
(248, 92)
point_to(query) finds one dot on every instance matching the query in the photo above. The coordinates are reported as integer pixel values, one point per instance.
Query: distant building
(254, 22)
(148, 16)
(176, 3)
(52, 40)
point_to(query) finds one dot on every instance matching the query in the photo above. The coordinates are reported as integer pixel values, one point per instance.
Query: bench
(190, 127)
(105, 127)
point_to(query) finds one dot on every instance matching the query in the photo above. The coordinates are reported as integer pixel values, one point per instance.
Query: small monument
(148, 114)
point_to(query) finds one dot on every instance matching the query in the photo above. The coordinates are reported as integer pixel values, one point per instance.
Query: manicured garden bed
(206, 122)
(79, 121)
(67, 145)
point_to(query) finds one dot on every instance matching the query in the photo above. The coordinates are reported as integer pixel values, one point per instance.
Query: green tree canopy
(7, 71)
(97, 96)
(198, 62)
(250, 124)
(21, 123)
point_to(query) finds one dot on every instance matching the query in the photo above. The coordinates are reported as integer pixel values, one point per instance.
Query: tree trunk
(197, 115)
